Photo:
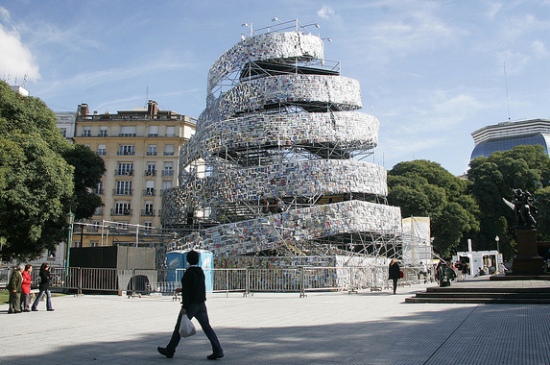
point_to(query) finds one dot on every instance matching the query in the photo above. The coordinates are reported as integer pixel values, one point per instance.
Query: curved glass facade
(484, 149)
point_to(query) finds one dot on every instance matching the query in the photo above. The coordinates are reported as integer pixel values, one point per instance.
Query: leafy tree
(35, 180)
(88, 169)
(493, 178)
(424, 188)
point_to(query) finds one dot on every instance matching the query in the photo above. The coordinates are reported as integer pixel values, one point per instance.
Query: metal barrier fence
(245, 280)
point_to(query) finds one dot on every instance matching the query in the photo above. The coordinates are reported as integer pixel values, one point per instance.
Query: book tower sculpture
(277, 165)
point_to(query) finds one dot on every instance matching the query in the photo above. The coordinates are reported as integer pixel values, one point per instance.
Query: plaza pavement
(271, 328)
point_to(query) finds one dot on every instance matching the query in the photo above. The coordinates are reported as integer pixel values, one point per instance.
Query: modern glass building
(506, 135)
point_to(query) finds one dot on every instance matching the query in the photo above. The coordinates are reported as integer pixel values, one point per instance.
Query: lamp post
(70, 222)
(497, 238)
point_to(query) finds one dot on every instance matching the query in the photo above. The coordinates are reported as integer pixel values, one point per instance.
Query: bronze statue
(523, 205)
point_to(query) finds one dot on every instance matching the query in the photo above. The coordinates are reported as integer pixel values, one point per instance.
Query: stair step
(485, 300)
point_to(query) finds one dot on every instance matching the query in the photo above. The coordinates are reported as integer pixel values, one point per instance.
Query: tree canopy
(425, 189)
(88, 169)
(35, 180)
(493, 178)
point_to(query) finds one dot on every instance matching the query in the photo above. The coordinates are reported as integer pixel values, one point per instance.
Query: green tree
(35, 180)
(493, 178)
(88, 169)
(424, 188)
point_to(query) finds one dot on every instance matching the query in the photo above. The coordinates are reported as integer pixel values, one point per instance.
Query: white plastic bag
(187, 328)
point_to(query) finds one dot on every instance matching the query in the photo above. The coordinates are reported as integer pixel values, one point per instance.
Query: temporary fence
(245, 280)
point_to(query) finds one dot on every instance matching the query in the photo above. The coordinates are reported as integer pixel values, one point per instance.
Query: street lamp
(497, 238)
(70, 222)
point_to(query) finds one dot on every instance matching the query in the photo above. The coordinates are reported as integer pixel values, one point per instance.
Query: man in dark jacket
(14, 287)
(193, 294)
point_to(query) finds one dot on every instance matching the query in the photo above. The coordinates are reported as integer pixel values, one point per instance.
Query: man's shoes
(34, 310)
(51, 310)
(214, 356)
(164, 351)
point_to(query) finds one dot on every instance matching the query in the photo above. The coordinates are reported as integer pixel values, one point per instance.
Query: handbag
(187, 328)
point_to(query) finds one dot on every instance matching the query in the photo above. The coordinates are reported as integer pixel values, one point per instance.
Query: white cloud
(325, 12)
(17, 60)
(539, 49)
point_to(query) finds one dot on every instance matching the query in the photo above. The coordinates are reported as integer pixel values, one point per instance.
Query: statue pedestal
(528, 261)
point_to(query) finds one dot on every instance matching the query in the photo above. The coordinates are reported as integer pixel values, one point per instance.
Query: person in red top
(26, 289)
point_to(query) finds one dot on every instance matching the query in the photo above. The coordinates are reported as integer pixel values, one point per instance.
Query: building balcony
(168, 153)
(148, 212)
(167, 172)
(124, 172)
(126, 153)
(121, 211)
(151, 153)
(126, 134)
(149, 192)
(152, 135)
(150, 173)
(122, 191)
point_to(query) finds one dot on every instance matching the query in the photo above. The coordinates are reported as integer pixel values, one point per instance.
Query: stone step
(478, 300)
(526, 295)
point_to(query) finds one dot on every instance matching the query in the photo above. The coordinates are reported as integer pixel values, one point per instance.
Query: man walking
(14, 287)
(193, 296)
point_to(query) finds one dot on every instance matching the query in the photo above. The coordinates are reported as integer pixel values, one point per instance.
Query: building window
(152, 150)
(123, 188)
(169, 150)
(127, 131)
(103, 131)
(63, 131)
(125, 169)
(87, 132)
(151, 169)
(94, 244)
(126, 150)
(148, 208)
(99, 189)
(168, 168)
(148, 225)
(122, 208)
(153, 131)
(171, 131)
(102, 150)
(149, 187)
(77, 244)
(166, 185)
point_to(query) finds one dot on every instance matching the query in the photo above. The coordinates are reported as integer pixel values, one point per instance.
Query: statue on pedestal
(523, 205)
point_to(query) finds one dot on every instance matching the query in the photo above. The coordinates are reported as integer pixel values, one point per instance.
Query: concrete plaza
(322, 328)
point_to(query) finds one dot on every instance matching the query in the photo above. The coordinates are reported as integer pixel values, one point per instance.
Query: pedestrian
(26, 289)
(14, 287)
(193, 296)
(394, 273)
(465, 270)
(44, 288)
(458, 271)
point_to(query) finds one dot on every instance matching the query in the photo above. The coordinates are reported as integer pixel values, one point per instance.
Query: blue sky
(432, 71)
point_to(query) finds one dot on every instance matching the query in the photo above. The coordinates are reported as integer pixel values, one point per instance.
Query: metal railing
(245, 280)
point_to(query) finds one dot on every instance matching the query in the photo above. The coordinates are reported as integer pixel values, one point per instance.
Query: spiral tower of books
(277, 165)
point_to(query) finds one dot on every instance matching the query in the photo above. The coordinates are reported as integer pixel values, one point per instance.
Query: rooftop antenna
(507, 96)
(146, 96)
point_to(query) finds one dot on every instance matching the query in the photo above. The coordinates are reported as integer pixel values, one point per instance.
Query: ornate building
(278, 162)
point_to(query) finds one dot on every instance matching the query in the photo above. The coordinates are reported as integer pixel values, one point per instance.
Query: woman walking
(26, 289)
(44, 288)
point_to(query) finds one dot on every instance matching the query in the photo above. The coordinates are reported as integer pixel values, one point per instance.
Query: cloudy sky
(432, 71)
